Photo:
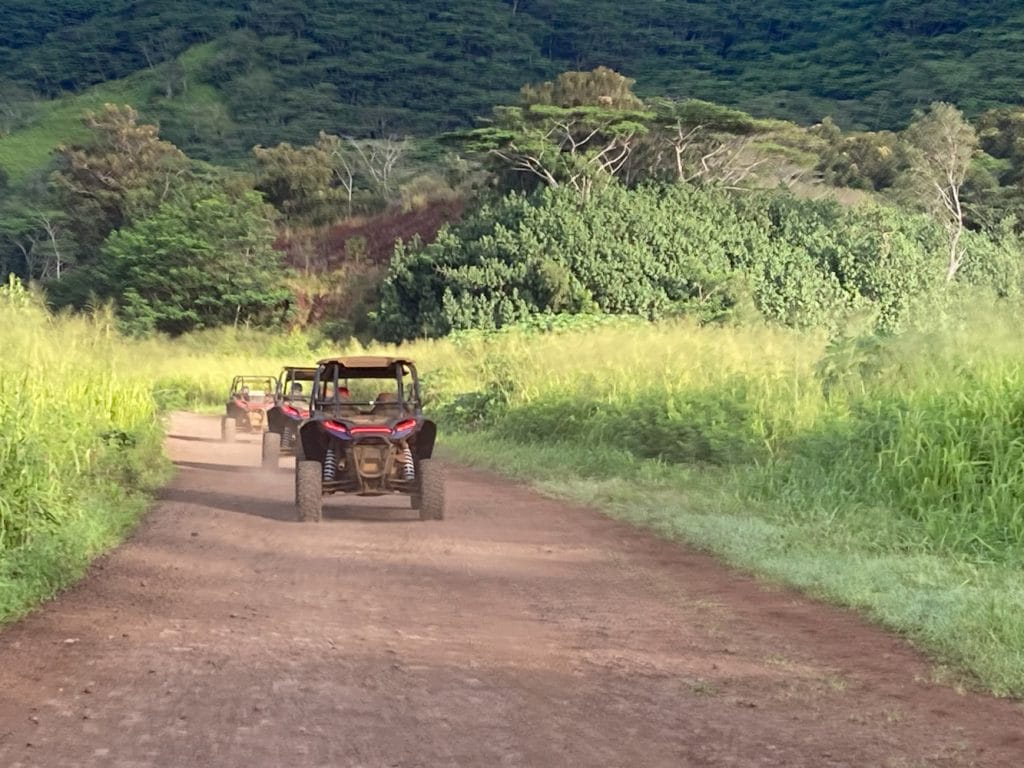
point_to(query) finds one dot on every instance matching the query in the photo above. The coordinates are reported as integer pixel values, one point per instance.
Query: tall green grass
(79, 446)
(887, 474)
(884, 474)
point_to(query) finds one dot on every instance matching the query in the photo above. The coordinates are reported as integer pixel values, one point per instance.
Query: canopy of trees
(588, 198)
(284, 71)
(128, 218)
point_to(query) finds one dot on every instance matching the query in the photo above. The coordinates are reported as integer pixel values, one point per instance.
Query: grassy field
(880, 474)
(80, 447)
(884, 474)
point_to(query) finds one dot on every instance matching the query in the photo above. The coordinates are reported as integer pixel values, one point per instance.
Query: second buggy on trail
(291, 407)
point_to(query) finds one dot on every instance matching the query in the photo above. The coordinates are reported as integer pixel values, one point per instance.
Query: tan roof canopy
(299, 373)
(366, 361)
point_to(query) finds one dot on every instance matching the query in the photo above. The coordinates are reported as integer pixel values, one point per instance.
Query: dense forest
(284, 70)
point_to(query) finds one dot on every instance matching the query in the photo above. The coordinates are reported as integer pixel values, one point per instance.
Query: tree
(37, 233)
(297, 181)
(1001, 135)
(123, 171)
(16, 105)
(871, 160)
(380, 159)
(578, 131)
(602, 87)
(706, 142)
(308, 183)
(943, 144)
(341, 163)
(203, 258)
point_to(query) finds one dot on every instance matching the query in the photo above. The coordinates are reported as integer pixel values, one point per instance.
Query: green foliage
(320, 183)
(175, 247)
(872, 161)
(124, 171)
(881, 472)
(297, 181)
(661, 251)
(576, 132)
(1001, 135)
(282, 72)
(924, 426)
(601, 87)
(34, 237)
(69, 487)
(17, 105)
(203, 258)
(28, 149)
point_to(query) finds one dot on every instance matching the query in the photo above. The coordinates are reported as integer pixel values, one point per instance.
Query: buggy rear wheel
(271, 449)
(431, 491)
(309, 491)
(227, 429)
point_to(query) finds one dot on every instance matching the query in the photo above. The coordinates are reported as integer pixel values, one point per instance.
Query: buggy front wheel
(309, 491)
(431, 491)
(271, 449)
(227, 429)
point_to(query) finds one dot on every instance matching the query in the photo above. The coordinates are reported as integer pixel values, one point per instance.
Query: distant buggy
(248, 402)
(290, 409)
(367, 435)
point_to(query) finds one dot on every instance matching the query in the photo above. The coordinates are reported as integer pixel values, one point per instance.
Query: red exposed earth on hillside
(367, 239)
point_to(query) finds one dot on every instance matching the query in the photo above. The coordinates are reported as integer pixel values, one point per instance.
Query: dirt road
(518, 632)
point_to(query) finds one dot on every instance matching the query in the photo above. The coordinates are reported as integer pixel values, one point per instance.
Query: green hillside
(285, 70)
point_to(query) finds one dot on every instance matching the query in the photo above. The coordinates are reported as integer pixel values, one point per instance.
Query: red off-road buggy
(291, 407)
(248, 402)
(367, 435)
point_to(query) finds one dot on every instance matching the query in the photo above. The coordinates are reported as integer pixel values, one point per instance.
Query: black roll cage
(340, 374)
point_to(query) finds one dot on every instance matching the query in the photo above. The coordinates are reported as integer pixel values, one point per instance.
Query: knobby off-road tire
(271, 449)
(309, 491)
(227, 429)
(431, 495)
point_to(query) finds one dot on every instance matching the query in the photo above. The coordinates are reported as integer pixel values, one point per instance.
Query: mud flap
(424, 443)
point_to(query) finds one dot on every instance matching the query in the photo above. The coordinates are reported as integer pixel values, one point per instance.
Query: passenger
(386, 404)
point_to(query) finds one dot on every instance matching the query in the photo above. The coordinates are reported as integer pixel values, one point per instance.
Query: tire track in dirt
(520, 631)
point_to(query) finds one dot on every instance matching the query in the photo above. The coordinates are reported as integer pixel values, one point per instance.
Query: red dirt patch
(332, 247)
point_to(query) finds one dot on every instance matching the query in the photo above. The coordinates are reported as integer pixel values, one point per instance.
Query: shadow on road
(195, 439)
(232, 502)
(368, 514)
(281, 510)
(232, 468)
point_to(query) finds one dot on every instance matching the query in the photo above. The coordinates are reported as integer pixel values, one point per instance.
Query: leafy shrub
(664, 251)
